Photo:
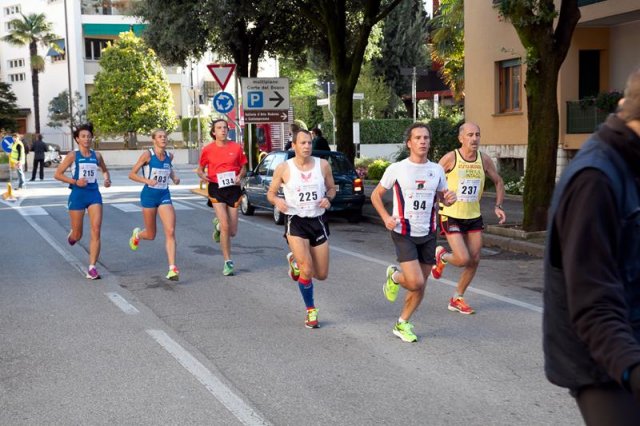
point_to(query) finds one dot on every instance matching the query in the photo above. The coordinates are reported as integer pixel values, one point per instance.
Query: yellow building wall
(487, 41)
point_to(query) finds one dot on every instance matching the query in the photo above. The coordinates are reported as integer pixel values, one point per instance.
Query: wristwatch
(499, 206)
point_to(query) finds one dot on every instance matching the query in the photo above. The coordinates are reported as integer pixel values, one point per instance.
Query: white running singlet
(304, 190)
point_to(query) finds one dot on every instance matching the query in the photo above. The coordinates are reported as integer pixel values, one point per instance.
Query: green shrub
(204, 126)
(374, 131)
(306, 110)
(444, 136)
(4, 158)
(376, 169)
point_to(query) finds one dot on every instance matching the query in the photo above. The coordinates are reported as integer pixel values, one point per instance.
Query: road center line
(219, 390)
(122, 303)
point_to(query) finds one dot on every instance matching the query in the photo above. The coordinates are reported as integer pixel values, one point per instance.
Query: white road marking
(122, 303)
(243, 412)
(181, 206)
(127, 207)
(32, 211)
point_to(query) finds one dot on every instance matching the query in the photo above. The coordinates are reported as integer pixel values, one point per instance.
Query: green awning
(111, 29)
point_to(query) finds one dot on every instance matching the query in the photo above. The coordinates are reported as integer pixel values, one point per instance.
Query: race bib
(418, 206)
(468, 190)
(88, 171)
(161, 176)
(226, 179)
(308, 197)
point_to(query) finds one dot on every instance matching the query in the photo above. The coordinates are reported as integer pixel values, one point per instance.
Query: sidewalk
(512, 207)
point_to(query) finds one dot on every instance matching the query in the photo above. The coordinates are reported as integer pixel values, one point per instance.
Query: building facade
(600, 58)
(91, 25)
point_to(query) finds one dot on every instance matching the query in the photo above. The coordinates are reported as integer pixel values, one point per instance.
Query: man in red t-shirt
(225, 163)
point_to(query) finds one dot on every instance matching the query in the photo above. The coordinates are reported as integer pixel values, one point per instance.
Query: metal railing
(583, 117)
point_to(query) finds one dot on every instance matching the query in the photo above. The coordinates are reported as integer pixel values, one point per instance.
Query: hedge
(204, 125)
(375, 131)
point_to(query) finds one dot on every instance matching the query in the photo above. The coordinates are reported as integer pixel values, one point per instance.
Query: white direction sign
(265, 93)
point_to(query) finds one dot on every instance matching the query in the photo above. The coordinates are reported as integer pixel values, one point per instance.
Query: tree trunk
(543, 144)
(35, 85)
(344, 116)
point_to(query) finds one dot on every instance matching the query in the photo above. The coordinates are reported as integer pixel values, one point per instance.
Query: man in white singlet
(308, 189)
(418, 184)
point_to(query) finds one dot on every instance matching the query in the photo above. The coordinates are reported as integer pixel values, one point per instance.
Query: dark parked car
(350, 190)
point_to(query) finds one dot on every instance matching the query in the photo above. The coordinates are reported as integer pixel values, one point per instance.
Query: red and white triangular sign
(222, 73)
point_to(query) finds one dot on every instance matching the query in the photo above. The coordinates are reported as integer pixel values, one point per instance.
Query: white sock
(92, 266)
(400, 321)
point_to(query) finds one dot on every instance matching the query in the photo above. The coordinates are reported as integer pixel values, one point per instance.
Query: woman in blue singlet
(85, 192)
(155, 197)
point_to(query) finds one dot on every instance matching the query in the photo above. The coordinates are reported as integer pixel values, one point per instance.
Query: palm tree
(30, 31)
(447, 44)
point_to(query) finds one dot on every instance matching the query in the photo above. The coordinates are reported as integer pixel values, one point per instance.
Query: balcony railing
(583, 117)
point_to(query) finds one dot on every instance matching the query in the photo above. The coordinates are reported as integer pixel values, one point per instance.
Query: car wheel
(278, 217)
(245, 206)
(354, 216)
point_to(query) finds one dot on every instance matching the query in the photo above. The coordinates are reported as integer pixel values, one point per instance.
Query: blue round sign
(223, 102)
(7, 141)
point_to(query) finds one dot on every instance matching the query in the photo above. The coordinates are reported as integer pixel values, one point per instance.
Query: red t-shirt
(218, 159)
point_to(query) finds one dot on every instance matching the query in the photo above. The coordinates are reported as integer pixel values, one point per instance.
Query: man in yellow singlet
(465, 169)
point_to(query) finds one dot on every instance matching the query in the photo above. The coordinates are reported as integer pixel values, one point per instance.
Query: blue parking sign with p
(255, 99)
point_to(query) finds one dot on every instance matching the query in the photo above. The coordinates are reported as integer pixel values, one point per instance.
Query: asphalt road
(133, 348)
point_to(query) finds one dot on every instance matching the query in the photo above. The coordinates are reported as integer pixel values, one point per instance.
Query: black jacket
(591, 320)
(38, 148)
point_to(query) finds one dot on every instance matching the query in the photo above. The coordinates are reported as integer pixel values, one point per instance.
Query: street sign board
(358, 96)
(418, 70)
(322, 102)
(222, 73)
(223, 102)
(265, 93)
(266, 116)
(7, 142)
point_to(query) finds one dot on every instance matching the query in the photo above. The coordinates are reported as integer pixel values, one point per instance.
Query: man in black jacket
(591, 322)
(38, 148)
(319, 143)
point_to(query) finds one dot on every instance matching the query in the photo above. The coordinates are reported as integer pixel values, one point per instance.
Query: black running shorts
(314, 229)
(408, 248)
(451, 225)
(230, 195)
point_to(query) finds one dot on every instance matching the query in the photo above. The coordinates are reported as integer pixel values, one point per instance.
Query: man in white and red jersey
(308, 187)
(418, 184)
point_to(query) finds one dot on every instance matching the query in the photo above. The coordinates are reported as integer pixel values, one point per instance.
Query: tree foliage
(8, 107)
(447, 44)
(59, 110)
(132, 93)
(345, 26)
(31, 31)
(242, 31)
(546, 36)
(403, 45)
(378, 96)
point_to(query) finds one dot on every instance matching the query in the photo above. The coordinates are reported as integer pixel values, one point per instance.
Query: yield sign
(222, 73)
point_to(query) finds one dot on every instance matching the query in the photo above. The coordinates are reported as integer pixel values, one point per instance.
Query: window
(16, 63)
(8, 26)
(93, 47)
(510, 86)
(12, 10)
(14, 78)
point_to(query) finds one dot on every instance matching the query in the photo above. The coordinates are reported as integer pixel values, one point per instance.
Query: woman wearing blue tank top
(85, 193)
(155, 197)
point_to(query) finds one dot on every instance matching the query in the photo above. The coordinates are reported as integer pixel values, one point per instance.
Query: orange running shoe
(458, 304)
(436, 270)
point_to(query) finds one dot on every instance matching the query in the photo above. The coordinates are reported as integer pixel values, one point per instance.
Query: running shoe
(134, 240)
(228, 268)
(216, 230)
(403, 331)
(436, 270)
(70, 240)
(458, 304)
(311, 320)
(173, 274)
(391, 287)
(294, 272)
(92, 274)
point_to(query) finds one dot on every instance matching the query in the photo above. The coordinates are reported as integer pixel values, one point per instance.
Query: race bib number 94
(226, 179)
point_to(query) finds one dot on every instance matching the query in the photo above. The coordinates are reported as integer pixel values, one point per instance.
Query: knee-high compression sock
(306, 289)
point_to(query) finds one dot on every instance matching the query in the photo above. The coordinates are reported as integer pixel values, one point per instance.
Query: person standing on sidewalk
(417, 185)
(155, 198)
(591, 318)
(85, 192)
(466, 169)
(39, 148)
(308, 188)
(17, 158)
(226, 165)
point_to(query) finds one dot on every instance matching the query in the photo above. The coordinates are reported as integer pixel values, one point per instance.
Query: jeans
(20, 176)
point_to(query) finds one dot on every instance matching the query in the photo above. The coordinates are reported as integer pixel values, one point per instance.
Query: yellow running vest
(467, 179)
